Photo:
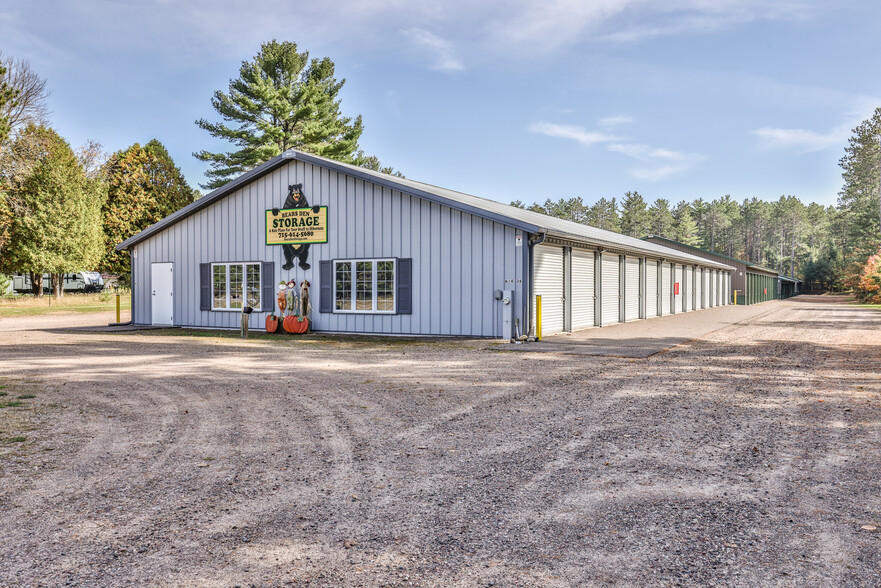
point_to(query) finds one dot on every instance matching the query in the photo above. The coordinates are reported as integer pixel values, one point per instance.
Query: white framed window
(364, 285)
(234, 285)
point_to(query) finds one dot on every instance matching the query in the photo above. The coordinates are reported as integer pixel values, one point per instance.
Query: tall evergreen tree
(860, 197)
(56, 225)
(604, 215)
(635, 219)
(685, 228)
(144, 187)
(661, 218)
(8, 95)
(281, 100)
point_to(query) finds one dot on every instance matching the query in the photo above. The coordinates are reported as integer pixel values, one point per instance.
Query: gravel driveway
(748, 457)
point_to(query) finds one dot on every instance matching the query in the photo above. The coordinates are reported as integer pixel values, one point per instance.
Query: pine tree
(685, 228)
(859, 197)
(635, 220)
(144, 187)
(661, 218)
(604, 215)
(281, 100)
(8, 95)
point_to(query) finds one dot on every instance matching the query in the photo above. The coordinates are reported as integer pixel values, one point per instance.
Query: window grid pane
(343, 285)
(235, 286)
(385, 285)
(219, 286)
(364, 285)
(253, 287)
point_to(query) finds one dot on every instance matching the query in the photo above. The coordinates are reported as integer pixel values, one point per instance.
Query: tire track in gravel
(467, 467)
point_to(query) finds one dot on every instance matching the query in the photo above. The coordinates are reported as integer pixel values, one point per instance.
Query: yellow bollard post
(117, 306)
(735, 298)
(538, 317)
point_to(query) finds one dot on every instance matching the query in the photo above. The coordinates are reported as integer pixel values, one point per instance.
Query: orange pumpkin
(271, 323)
(300, 324)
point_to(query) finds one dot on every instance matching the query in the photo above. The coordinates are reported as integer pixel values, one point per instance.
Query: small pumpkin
(271, 323)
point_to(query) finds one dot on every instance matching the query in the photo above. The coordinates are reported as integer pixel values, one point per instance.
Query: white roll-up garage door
(632, 294)
(582, 288)
(706, 283)
(727, 287)
(718, 288)
(713, 288)
(651, 288)
(677, 278)
(689, 289)
(610, 289)
(699, 287)
(665, 288)
(548, 275)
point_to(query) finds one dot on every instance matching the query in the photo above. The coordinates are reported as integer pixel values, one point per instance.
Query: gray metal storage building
(403, 257)
(754, 283)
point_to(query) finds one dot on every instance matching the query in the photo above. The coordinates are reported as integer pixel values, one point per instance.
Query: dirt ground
(747, 457)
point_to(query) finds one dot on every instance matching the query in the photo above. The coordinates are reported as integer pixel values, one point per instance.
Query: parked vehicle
(73, 282)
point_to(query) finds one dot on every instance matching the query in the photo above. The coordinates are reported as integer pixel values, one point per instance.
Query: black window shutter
(404, 292)
(204, 286)
(325, 279)
(267, 284)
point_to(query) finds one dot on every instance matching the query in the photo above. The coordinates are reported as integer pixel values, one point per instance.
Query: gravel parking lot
(746, 457)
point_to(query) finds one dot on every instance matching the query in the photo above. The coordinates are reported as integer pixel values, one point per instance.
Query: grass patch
(17, 439)
(80, 303)
(26, 396)
(4, 393)
(288, 340)
(13, 404)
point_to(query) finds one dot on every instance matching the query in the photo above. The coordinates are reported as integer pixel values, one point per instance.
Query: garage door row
(582, 288)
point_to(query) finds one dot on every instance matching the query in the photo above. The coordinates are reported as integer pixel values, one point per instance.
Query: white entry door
(162, 283)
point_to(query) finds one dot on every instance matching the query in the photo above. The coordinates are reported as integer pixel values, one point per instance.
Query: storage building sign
(295, 226)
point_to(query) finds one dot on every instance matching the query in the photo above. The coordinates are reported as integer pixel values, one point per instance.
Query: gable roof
(531, 222)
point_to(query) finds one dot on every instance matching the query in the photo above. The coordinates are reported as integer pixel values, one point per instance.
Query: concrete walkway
(644, 338)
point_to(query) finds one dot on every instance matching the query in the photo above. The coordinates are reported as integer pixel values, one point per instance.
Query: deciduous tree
(144, 186)
(56, 220)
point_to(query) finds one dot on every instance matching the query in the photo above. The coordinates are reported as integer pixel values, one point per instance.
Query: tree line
(64, 209)
(826, 246)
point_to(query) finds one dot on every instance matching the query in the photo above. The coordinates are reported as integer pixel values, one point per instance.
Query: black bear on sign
(296, 199)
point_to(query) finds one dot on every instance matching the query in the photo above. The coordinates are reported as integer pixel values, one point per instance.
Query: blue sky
(524, 100)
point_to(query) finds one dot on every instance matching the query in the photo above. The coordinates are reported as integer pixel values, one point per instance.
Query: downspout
(534, 240)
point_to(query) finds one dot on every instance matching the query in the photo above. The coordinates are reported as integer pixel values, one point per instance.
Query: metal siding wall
(458, 259)
(651, 288)
(548, 275)
(631, 288)
(582, 289)
(611, 289)
(666, 288)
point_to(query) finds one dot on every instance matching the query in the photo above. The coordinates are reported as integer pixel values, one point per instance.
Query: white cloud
(614, 121)
(441, 49)
(659, 163)
(555, 23)
(573, 132)
(802, 140)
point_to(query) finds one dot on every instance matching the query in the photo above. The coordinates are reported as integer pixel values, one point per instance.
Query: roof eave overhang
(207, 200)
(288, 156)
(670, 254)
